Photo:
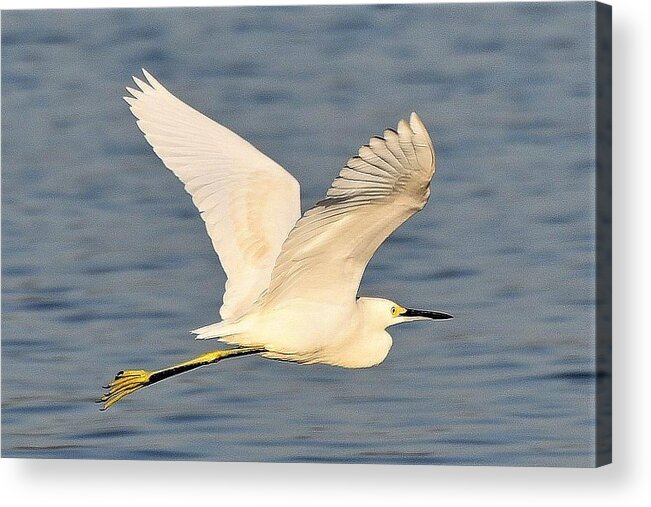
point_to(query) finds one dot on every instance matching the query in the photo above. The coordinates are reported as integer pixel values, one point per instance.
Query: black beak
(427, 314)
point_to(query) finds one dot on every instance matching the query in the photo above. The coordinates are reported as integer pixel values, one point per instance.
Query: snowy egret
(291, 292)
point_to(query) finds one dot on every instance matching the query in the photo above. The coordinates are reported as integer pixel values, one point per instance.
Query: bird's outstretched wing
(248, 202)
(325, 254)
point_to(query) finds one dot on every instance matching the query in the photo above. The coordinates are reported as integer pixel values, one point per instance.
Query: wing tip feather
(133, 91)
(153, 82)
(404, 128)
(141, 84)
(416, 123)
(414, 119)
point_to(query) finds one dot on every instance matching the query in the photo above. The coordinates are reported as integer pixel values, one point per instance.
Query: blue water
(106, 264)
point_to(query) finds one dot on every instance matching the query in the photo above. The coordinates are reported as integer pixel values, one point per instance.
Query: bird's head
(390, 313)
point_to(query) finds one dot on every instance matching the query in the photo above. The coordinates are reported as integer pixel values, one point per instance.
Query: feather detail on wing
(248, 202)
(326, 253)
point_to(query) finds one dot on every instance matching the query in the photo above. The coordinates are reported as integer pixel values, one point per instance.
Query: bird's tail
(218, 330)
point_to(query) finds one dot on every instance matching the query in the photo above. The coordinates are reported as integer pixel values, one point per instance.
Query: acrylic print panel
(106, 263)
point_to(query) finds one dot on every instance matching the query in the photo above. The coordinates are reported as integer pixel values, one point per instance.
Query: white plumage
(292, 283)
(248, 202)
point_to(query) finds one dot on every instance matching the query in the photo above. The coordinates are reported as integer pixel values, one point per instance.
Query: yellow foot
(126, 382)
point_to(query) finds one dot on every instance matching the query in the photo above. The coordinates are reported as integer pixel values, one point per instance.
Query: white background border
(626, 482)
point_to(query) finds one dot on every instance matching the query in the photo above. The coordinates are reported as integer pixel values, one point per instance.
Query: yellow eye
(397, 311)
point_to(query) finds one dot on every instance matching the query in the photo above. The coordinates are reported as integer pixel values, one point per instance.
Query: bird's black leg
(129, 381)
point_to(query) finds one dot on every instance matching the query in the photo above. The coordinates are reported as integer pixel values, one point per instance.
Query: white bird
(292, 285)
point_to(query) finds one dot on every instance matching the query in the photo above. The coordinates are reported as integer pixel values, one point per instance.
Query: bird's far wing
(248, 202)
(325, 254)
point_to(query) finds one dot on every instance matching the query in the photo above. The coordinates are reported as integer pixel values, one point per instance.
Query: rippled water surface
(106, 264)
